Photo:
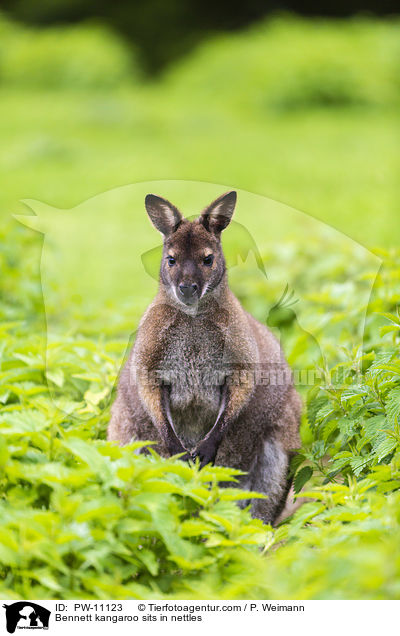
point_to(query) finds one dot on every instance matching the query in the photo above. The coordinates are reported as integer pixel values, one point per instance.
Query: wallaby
(204, 377)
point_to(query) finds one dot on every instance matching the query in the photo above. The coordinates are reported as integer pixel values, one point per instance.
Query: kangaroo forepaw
(206, 453)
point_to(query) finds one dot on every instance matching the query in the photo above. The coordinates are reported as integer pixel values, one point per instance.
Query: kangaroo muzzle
(188, 293)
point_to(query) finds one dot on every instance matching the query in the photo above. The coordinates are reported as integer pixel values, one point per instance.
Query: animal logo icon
(26, 615)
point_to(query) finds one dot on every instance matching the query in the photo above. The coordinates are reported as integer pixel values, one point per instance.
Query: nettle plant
(353, 413)
(83, 518)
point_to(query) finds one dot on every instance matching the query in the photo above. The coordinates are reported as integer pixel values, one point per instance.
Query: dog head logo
(26, 615)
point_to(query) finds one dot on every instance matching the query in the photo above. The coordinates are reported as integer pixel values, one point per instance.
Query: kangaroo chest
(192, 371)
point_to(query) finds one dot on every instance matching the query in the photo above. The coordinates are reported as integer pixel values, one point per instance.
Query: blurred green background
(301, 110)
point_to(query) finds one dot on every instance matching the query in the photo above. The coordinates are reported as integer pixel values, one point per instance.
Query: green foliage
(83, 518)
(63, 57)
(343, 544)
(353, 412)
(354, 65)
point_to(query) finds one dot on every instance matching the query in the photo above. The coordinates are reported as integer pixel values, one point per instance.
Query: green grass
(301, 112)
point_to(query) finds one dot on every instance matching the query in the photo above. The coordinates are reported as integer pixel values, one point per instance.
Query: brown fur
(248, 418)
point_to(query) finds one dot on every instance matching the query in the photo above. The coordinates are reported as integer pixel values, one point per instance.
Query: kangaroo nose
(188, 290)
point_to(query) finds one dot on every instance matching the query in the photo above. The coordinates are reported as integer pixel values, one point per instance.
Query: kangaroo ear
(164, 216)
(218, 215)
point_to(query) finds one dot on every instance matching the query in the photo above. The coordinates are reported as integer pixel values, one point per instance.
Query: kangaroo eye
(171, 260)
(208, 260)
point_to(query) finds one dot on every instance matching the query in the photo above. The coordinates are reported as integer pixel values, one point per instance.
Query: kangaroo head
(193, 263)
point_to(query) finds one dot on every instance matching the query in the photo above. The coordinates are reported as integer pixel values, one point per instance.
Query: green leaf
(56, 376)
(302, 478)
